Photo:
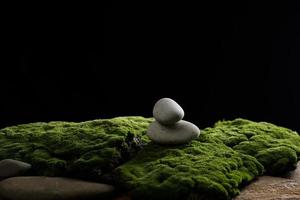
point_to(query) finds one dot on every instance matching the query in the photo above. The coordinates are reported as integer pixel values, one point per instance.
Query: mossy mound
(90, 149)
(277, 148)
(206, 170)
(215, 166)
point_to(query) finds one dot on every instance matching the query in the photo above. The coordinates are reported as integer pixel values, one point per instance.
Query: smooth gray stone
(53, 188)
(179, 133)
(167, 111)
(10, 167)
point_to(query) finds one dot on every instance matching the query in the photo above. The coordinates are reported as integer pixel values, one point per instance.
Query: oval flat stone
(178, 133)
(167, 111)
(52, 188)
(10, 167)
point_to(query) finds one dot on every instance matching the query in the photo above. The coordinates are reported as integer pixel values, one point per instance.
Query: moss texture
(89, 149)
(277, 148)
(215, 166)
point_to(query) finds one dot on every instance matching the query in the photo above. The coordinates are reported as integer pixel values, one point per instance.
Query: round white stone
(179, 133)
(167, 111)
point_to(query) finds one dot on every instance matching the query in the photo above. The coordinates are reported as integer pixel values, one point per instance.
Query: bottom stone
(179, 133)
(53, 188)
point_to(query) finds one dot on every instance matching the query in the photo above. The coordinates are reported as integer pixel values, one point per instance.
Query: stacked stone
(168, 127)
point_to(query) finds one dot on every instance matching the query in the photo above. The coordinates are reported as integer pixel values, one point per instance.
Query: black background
(218, 60)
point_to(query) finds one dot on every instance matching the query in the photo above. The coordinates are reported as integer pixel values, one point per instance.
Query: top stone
(166, 111)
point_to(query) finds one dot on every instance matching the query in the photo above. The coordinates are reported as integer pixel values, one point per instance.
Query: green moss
(89, 149)
(215, 166)
(173, 172)
(277, 148)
